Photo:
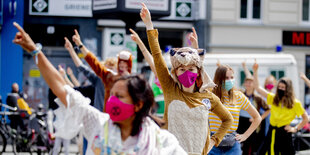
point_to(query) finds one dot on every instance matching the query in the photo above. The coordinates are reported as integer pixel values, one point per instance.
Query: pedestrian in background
(284, 109)
(234, 101)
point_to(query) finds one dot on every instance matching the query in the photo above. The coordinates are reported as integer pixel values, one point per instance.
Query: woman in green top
(284, 108)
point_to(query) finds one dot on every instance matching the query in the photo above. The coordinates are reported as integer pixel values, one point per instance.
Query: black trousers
(251, 145)
(278, 141)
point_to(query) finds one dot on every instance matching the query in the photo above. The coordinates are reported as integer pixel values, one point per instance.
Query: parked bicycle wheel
(2, 142)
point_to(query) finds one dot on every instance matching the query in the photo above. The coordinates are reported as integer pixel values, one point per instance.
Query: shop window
(277, 73)
(250, 10)
(305, 11)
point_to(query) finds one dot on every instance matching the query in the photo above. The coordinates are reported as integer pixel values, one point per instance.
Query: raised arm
(258, 88)
(64, 75)
(246, 70)
(90, 58)
(147, 55)
(194, 39)
(75, 82)
(77, 61)
(304, 77)
(47, 70)
(162, 71)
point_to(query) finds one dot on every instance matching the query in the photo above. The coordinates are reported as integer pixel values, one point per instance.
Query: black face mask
(280, 93)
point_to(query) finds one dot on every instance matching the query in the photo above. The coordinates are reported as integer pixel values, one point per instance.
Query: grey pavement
(73, 150)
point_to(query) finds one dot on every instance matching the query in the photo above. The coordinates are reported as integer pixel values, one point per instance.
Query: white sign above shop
(160, 5)
(76, 8)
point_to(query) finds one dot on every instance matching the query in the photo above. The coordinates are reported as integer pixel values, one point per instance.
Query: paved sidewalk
(73, 150)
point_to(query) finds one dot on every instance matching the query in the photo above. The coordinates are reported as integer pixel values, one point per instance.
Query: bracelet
(296, 128)
(80, 46)
(36, 51)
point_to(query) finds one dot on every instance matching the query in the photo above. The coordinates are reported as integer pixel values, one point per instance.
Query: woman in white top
(126, 129)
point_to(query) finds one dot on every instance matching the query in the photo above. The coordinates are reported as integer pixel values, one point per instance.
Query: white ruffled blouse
(102, 133)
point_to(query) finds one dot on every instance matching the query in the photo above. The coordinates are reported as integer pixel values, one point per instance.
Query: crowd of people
(202, 116)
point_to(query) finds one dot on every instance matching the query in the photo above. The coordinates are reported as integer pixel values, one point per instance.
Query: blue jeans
(235, 150)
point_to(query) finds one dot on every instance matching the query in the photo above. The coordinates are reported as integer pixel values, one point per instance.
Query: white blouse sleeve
(77, 115)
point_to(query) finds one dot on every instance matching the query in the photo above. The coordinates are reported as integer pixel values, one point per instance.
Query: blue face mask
(229, 84)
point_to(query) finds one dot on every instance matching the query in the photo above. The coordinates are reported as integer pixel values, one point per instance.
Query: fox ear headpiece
(125, 56)
(189, 56)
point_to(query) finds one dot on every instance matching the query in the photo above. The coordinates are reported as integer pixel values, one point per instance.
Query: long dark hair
(140, 91)
(289, 96)
(219, 80)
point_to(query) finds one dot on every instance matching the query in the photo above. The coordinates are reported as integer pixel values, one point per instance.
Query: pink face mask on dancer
(119, 110)
(269, 86)
(187, 79)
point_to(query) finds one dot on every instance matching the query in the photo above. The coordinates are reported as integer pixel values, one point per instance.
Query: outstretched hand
(244, 64)
(255, 66)
(134, 36)
(194, 39)
(23, 39)
(76, 38)
(61, 70)
(146, 17)
(68, 44)
(69, 71)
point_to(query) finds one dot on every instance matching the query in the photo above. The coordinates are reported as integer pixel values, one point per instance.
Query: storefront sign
(160, 5)
(104, 4)
(77, 8)
(183, 10)
(296, 38)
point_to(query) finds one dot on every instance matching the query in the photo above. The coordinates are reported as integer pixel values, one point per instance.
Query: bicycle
(6, 132)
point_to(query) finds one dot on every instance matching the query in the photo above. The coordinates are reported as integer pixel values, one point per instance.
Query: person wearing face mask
(251, 145)
(284, 109)
(234, 101)
(108, 77)
(270, 83)
(126, 129)
(186, 95)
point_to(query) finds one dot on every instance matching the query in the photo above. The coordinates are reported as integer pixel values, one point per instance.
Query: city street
(73, 149)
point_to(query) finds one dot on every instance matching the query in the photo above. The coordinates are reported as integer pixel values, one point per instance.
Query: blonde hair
(110, 62)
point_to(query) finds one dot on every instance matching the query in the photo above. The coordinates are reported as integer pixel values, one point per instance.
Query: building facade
(262, 26)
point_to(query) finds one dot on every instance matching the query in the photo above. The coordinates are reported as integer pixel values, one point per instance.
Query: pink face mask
(187, 79)
(119, 110)
(269, 86)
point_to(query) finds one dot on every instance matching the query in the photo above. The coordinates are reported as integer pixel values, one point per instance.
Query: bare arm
(64, 75)
(304, 121)
(259, 89)
(77, 40)
(246, 70)
(147, 55)
(77, 61)
(256, 121)
(194, 39)
(48, 71)
(265, 114)
(304, 77)
(75, 82)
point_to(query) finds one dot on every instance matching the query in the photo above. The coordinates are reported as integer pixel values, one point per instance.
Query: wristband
(36, 51)
(80, 46)
(296, 128)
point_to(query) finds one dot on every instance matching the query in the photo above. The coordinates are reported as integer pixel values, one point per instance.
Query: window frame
(249, 14)
(306, 22)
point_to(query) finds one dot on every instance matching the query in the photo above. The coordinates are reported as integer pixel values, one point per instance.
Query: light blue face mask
(229, 84)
